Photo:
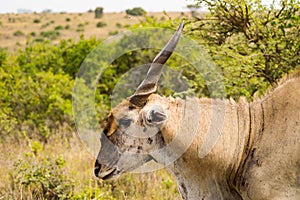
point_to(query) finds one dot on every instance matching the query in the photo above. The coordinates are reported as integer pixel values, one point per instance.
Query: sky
(11, 6)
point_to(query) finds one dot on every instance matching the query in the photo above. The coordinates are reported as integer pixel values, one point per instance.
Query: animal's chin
(109, 174)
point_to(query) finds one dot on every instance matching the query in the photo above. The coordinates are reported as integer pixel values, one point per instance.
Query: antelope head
(133, 127)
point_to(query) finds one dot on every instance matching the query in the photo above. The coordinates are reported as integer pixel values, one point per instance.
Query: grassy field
(16, 29)
(31, 172)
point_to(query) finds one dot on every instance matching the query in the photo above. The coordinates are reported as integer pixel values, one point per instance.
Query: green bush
(39, 39)
(80, 30)
(60, 27)
(68, 19)
(101, 24)
(33, 34)
(118, 25)
(36, 87)
(41, 178)
(80, 25)
(52, 35)
(18, 33)
(31, 108)
(113, 32)
(45, 25)
(137, 11)
(36, 21)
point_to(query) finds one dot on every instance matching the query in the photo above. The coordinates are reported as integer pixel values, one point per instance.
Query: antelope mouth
(104, 172)
(107, 175)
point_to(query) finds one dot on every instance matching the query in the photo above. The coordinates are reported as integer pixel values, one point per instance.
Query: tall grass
(63, 169)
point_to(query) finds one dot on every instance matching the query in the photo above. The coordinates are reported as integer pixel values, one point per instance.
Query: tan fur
(273, 168)
(232, 150)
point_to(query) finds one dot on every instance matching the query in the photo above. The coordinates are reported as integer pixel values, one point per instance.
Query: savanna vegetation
(251, 45)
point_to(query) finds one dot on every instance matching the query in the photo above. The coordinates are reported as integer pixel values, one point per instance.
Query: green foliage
(137, 11)
(45, 25)
(113, 32)
(101, 24)
(193, 8)
(98, 12)
(36, 87)
(118, 25)
(52, 35)
(80, 25)
(3, 56)
(36, 21)
(59, 27)
(33, 34)
(67, 27)
(68, 19)
(18, 33)
(254, 45)
(41, 178)
(29, 105)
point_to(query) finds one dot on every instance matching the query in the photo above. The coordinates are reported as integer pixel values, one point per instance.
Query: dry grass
(71, 25)
(79, 168)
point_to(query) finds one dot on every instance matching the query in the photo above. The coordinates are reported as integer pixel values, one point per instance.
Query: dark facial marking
(124, 122)
(131, 107)
(149, 141)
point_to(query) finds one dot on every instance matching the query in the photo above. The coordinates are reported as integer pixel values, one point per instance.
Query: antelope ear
(155, 116)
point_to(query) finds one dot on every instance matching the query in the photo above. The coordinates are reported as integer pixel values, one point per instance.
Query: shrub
(45, 25)
(113, 32)
(101, 24)
(39, 39)
(36, 21)
(118, 25)
(127, 26)
(41, 178)
(50, 34)
(80, 30)
(33, 34)
(67, 27)
(80, 25)
(68, 19)
(18, 33)
(11, 20)
(59, 28)
(31, 108)
(137, 11)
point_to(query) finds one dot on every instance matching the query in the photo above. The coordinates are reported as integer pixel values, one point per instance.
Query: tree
(254, 44)
(98, 12)
(193, 8)
(137, 11)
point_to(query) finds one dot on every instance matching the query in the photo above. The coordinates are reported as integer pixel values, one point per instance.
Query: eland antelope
(255, 156)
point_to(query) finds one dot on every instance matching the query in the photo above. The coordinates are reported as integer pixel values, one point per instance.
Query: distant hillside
(16, 29)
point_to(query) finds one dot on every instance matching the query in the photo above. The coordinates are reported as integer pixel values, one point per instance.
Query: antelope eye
(124, 122)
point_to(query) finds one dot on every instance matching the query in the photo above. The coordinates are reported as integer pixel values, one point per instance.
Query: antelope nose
(104, 172)
(97, 168)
